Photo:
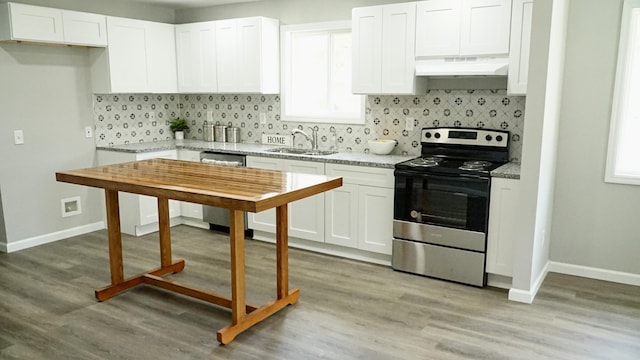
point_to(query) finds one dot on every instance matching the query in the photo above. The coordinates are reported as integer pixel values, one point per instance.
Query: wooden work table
(238, 189)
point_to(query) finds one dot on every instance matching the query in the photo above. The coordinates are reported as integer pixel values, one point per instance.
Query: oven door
(453, 201)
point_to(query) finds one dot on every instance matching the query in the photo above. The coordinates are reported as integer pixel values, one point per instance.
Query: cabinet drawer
(362, 175)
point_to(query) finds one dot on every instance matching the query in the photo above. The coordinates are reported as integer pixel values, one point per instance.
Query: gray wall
(287, 11)
(123, 8)
(45, 91)
(595, 224)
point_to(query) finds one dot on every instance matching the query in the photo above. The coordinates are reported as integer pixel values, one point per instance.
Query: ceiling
(186, 4)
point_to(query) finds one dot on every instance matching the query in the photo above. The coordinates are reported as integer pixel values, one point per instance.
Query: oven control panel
(465, 136)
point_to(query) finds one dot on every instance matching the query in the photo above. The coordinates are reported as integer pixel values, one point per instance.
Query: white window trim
(285, 63)
(620, 95)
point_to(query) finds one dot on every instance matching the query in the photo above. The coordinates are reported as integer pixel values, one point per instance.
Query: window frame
(285, 40)
(628, 29)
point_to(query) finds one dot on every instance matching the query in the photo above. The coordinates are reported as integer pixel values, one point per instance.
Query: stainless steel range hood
(463, 66)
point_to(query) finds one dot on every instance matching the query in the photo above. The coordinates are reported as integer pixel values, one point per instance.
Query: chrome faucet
(313, 138)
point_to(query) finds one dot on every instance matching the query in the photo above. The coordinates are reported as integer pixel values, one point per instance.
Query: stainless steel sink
(310, 152)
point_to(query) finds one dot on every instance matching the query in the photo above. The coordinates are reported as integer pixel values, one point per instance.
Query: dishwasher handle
(222, 162)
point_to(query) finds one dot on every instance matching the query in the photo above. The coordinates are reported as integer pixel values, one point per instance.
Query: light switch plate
(408, 125)
(88, 132)
(18, 137)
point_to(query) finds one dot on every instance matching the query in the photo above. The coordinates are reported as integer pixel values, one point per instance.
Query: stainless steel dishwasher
(218, 218)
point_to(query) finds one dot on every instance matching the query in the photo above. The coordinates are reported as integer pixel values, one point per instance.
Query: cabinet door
(249, 49)
(375, 207)
(36, 23)
(485, 27)
(196, 60)
(341, 216)
(366, 30)
(227, 55)
(519, 47)
(306, 216)
(264, 220)
(398, 42)
(84, 28)
(503, 226)
(127, 60)
(186, 208)
(161, 63)
(438, 28)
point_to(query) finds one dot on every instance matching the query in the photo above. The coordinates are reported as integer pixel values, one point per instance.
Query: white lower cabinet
(503, 225)
(306, 216)
(360, 213)
(187, 209)
(139, 213)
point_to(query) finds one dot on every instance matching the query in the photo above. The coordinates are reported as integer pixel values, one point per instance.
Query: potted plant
(178, 126)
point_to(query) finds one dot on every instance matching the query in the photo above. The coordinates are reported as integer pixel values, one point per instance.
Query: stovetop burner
(475, 165)
(427, 161)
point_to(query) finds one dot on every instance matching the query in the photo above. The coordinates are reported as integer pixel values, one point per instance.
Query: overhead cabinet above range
(462, 37)
(28, 23)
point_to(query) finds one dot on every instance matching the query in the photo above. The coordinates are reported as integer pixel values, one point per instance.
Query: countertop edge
(346, 158)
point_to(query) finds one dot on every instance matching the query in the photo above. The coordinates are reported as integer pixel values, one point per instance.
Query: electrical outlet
(263, 118)
(152, 116)
(88, 131)
(209, 116)
(18, 137)
(408, 124)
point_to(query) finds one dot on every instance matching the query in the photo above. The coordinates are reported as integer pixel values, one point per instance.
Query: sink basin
(302, 151)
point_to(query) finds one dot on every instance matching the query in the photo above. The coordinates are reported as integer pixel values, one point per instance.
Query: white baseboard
(527, 296)
(51, 237)
(595, 273)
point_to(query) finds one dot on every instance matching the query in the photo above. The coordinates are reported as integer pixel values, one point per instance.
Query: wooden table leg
(115, 237)
(282, 252)
(164, 232)
(238, 286)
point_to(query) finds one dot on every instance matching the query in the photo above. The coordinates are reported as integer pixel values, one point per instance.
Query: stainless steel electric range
(441, 204)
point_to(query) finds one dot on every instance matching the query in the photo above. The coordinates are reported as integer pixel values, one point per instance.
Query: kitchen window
(623, 163)
(316, 74)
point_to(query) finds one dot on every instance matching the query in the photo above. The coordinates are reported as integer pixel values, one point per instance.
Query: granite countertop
(507, 171)
(342, 157)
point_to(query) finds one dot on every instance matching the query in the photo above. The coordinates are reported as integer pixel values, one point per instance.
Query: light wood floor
(347, 309)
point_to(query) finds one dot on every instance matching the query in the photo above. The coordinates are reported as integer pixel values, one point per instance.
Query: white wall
(539, 147)
(595, 225)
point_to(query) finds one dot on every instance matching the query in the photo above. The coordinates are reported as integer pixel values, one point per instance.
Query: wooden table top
(240, 188)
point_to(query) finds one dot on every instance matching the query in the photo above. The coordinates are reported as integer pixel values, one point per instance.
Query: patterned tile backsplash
(122, 119)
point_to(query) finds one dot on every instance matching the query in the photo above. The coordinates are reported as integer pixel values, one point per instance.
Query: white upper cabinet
(384, 49)
(462, 28)
(366, 29)
(520, 43)
(196, 57)
(438, 28)
(140, 58)
(84, 29)
(247, 55)
(484, 28)
(20, 22)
